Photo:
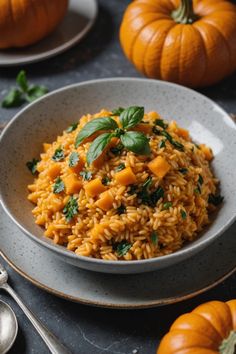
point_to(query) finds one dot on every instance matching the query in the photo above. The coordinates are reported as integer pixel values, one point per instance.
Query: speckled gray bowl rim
(44, 55)
(60, 250)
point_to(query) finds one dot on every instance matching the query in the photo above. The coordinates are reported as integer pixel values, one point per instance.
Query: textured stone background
(87, 330)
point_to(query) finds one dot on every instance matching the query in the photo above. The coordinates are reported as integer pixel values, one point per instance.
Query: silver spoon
(50, 340)
(8, 327)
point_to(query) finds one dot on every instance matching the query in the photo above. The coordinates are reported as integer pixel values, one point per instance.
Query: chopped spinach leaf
(161, 123)
(106, 180)
(197, 190)
(167, 205)
(200, 180)
(71, 209)
(121, 209)
(73, 159)
(183, 214)
(215, 199)
(32, 166)
(120, 167)
(133, 188)
(122, 248)
(58, 186)
(154, 238)
(183, 170)
(162, 144)
(87, 175)
(58, 154)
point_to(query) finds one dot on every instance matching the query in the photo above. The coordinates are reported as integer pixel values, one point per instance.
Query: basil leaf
(35, 92)
(32, 166)
(87, 175)
(162, 144)
(58, 186)
(106, 180)
(131, 116)
(118, 111)
(117, 150)
(73, 159)
(22, 81)
(136, 142)
(161, 123)
(13, 99)
(155, 196)
(97, 147)
(104, 123)
(72, 127)
(71, 209)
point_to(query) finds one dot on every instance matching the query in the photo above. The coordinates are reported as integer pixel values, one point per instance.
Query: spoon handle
(50, 340)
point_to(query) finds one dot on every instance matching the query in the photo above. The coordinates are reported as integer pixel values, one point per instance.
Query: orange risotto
(123, 185)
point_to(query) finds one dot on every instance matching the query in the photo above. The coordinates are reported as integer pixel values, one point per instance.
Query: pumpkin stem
(228, 346)
(184, 14)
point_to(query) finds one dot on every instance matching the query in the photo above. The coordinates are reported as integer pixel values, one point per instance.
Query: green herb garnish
(197, 190)
(154, 238)
(173, 142)
(117, 150)
(121, 209)
(148, 198)
(58, 186)
(58, 154)
(167, 205)
(87, 175)
(120, 167)
(122, 248)
(183, 170)
(200, 180)
(32, 166)
(162, 144)
(215, 199)
(118, 111)
(161, 123)
(23, 93)
(106, 180)
(133, 141)
(71, 209)
(133, 188)
(183, 214)
(72, 127)
(73, 159)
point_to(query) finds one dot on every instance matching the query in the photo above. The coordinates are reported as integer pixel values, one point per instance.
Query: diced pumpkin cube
(79, 166)
(94, 187)
(159, 166)
(143, 128)
(56, 203)
(54, 170)
(207, 152)
(126, 177)
(46, 146)
(184, 133)
(98, 230)
(72, 184)
(105, 201)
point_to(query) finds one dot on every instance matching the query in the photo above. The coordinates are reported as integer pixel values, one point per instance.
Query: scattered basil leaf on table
(32, 166)
(23, 93)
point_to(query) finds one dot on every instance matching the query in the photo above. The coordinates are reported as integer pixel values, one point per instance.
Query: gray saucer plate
(78, 21)
(175, 283)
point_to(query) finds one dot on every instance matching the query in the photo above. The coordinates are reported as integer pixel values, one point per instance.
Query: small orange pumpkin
(192, 43)
(209, 329)
(24, 22)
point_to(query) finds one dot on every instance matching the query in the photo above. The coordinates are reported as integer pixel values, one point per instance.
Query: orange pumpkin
(192, 43)
(24, 22)
(208, 329)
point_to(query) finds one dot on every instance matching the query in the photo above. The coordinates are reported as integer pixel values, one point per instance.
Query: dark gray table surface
(88, 330)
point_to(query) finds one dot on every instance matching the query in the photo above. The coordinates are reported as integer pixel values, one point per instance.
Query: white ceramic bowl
(49, 116)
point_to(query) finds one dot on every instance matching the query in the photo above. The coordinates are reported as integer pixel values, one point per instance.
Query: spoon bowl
(8, 327)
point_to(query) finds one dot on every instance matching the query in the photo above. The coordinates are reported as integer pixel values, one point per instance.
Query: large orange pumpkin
(192, 43)
(24, 22)
(208, 329)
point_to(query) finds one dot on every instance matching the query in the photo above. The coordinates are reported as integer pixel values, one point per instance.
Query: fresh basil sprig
(133, 141)
(23, 93)
(104, 123)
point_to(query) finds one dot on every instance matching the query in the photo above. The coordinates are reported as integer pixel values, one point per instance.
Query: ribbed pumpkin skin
(24, 22)
(194, 55)
(202, 330)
